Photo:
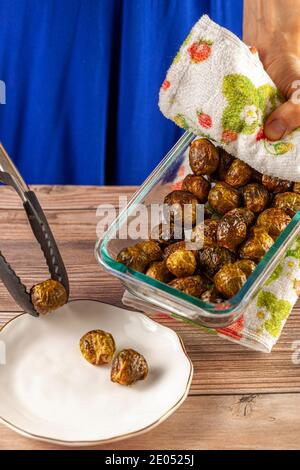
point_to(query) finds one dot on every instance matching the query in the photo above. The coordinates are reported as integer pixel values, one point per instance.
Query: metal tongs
(10, 176)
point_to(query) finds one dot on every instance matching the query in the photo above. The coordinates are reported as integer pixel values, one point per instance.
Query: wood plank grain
(209, 422)
(71, 225)
(221, 367)
(68, 197)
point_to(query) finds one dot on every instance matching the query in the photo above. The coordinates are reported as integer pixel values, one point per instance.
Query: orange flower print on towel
(165, 85)
(200, 51)
(229, 136)
(235, 330)
(204, 120)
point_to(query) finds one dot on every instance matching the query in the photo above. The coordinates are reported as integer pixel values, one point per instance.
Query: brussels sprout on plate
(128, 367)
(97, 347)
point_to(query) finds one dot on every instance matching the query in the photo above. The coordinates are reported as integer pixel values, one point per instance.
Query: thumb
(282, 121)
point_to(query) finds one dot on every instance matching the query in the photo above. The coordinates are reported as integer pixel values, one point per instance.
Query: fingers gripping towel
(217, 88)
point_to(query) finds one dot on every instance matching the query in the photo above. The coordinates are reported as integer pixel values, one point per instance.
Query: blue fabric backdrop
(82, 80)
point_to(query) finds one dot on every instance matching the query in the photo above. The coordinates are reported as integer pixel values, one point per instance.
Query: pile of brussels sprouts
(245, 211)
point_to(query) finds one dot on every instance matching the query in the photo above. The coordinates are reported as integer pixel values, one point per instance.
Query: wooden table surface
(238, 399)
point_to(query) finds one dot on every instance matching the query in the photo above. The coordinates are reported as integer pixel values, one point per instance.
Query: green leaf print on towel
(279, 148)
(275, 274)
(247, 105)
(294, 251)
(269, 99)
(181, 121)
(277, 308)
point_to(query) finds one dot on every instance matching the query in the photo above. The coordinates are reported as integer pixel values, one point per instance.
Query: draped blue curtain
(82, 80)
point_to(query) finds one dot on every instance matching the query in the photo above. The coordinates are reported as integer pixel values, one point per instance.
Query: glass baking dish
(163, 180)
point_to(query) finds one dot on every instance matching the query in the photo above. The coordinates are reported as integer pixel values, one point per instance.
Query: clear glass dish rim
(261, 273)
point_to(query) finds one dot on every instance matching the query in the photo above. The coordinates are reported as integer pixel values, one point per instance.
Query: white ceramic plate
(49, 392)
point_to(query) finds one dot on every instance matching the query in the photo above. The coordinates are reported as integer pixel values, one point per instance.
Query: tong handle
(15, 287)
(10, 176)
(44, 236)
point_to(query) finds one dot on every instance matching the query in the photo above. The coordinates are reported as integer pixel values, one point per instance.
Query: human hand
(284, 69)
(273, 27)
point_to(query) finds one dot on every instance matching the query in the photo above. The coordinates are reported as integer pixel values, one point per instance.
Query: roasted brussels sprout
(182, 245)
(223, 197)
(166, 234)
(207, 213)
(256, 197)
(128, 367)
(238, 174)
(182, 263)
(256, 176)
(205, 234)
(140, 255)
(151, 249)
(48, 296)
(212, 296)
(182, 207)
(191, 285)
(224, 246)
(246, 265)
(203, 156)
(276, 185)
(289, 202)
(198, 186)
(134, 258)
(212, 258)
(274, 221)
(296, 188)
(158, 270)
(97, 347)
(229, 280)
(232, 228)
(257, 245)
(225, 160)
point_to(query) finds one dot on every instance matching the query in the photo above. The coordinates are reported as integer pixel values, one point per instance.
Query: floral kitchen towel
(217, 88)
(263, 319)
